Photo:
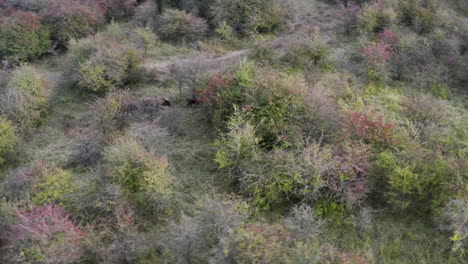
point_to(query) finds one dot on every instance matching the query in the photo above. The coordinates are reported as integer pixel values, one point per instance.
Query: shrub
(248, 17)
(108, 112)
(23, 100)
(257, 243)
(370, 129)
(23, 37)
(416, 179)
(109, 68)
(376, 57)
(455, 220)
(375, 16)
(272, 102)
(389, 37)
(418, 14)
(238, 147)
(349, 180)
(303, 223)
(81, 50)
(147, 38)
(309, 53)
(118, 9)
(176, 25)
(71, 20)
(145, 14)
(45, 234)
(138, 172)
(7, 139)
(53, 185)
(195, 237)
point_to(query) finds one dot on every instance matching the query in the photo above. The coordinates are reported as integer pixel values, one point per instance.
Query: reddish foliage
(215, 84)
(348, 178)
(23, 19)
(42, 225)
(378, 53)
(389, 37)
(73, 19)
(371, 130)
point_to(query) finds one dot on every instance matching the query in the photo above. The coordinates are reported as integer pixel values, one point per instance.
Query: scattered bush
(71, 20)
(108, 112)
(248, 17)
(108, 69)
(147, 38)
(24, 98)
(455, 220)
(194, 236)
(139, 173)
(272, 102)
(176, 25)
(45, 234)
(7, 139)
(52, 185)
(370, 129)
(23, 37)
(309, 53)
(418, 14)
(377, 55)
(257, 243)
(375, 16)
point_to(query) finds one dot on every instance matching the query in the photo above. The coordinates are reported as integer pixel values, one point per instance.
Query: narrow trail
(308, 14)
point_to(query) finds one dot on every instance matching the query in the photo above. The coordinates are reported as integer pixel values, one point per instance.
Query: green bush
(72, 19)
(416, 180)
(176, 25)
(23, 37)
(374, 17)
(419, 15)
(138, 172)
(107, 68)
(272, 102)
(309, 53)
(7, 138)
(249, 17)
(53, 186)
(147, 38)
(24, 98)
(108, 112)
(239, 146)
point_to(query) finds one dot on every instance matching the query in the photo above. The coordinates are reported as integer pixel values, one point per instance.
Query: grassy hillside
(233, 131)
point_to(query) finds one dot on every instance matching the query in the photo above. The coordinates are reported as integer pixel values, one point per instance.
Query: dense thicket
(233, 131)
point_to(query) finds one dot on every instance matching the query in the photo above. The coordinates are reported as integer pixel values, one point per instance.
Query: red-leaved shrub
(378, 53)
(46, 233)
(370, 129)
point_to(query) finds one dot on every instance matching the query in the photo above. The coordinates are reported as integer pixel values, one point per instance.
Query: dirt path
(307, 15)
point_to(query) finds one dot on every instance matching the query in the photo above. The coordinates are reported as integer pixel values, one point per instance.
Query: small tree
(23, 100)
(147, 38)
(7, 138)
(45, 234)
(23, 37)
(176, 25)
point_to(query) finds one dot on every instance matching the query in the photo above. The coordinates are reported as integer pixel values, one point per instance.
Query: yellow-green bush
(177, 25)
(53, 186)
(375, 16)
(23, 36)
(7, 138)
(272, 102)
(101, 64)
(24, 99)
(137, 171)
(249, 17)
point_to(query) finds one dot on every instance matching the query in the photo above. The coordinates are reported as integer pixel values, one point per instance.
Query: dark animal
(150, 105)
(192, 102)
